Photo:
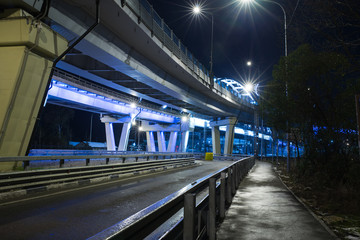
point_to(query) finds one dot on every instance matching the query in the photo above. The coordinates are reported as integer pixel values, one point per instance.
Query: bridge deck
(263, 208)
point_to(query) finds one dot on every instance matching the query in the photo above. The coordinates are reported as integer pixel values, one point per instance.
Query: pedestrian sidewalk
(263, 208)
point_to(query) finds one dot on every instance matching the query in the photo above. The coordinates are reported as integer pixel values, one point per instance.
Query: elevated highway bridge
(123, 46)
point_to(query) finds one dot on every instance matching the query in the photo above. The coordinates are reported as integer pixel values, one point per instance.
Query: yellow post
(209, 156)
(27, 49)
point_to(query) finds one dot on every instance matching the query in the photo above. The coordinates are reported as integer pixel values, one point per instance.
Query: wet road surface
(79, 214)
(263, 209)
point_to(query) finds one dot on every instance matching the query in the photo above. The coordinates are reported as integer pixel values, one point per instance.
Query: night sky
(240, 34)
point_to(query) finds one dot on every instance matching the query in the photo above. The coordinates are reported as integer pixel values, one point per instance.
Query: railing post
(107, 160)
(26, 165)
(212, 209)
(233, 190)
(87, 161)
(222, 195)
(228, 187)
(62, 161)
(235, 176)
(189, 217)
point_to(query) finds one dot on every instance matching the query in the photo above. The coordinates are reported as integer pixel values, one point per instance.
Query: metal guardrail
(88, 158)
(200, 218)
(149, 17)
(61, 176)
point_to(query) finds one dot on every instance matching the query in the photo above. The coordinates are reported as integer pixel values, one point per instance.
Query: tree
(319, 98)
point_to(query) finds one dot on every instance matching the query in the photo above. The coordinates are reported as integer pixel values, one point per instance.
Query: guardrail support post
(62, 161)
(107, 160)
(228, 187)
(235, 176)
(233, 190)
(189, 217)
(87, 161)
(222, 195)
(212, 209)
(26, 165)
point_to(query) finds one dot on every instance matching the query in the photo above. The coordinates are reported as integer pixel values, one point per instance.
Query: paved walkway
(263, 208)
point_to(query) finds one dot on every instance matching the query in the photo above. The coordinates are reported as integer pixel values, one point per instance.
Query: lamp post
(196, 11)
(286, 54)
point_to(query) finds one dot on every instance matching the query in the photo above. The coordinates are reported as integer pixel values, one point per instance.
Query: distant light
(249, 63)
(196, 9)
(140, 128)
(133, 105)
(164, 106)
(184, 118)
(246, 1)
(249, 87)
(133, 123)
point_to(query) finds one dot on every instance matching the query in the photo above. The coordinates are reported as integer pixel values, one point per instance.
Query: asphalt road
(81, 213)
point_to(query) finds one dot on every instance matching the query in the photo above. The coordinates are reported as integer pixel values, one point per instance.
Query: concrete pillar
(150, 142)
(26, 54)
(172, 142)
(124, 138)
(229, 138)
(215, 134)
(110, 140)
(161, 141)
(184, 140)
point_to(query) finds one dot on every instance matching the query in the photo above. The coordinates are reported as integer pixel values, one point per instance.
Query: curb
(23, 192)
(308, 209)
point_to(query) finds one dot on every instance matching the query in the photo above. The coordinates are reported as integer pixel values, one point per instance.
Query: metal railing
(200, 215)
(149, 17)
(104, 159)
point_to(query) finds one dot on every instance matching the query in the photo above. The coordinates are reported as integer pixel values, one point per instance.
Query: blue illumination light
(80, 96)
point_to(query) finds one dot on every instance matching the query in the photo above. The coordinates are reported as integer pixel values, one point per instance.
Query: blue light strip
(72, 94)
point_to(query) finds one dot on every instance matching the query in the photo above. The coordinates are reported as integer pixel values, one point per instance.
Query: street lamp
(286, 54)
(196, 11)
(283, 10)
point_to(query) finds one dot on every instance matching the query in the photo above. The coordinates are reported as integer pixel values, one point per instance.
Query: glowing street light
(184, 118)
(133, 105)
(247, 1)
(249, 63)
(196, 9)
(249, 87)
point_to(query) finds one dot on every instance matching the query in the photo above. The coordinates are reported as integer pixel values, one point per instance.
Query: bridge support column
(27, 49)
(110, 140)
(229, 136)
(124, 138)
(215, 134)
(184, 140)
(172, 142)
(161, 141)
(150, 142)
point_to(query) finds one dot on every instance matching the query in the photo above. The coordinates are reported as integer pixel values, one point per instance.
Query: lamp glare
(197, 9)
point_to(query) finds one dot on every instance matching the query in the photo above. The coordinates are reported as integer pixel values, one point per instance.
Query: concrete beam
(167, 127)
